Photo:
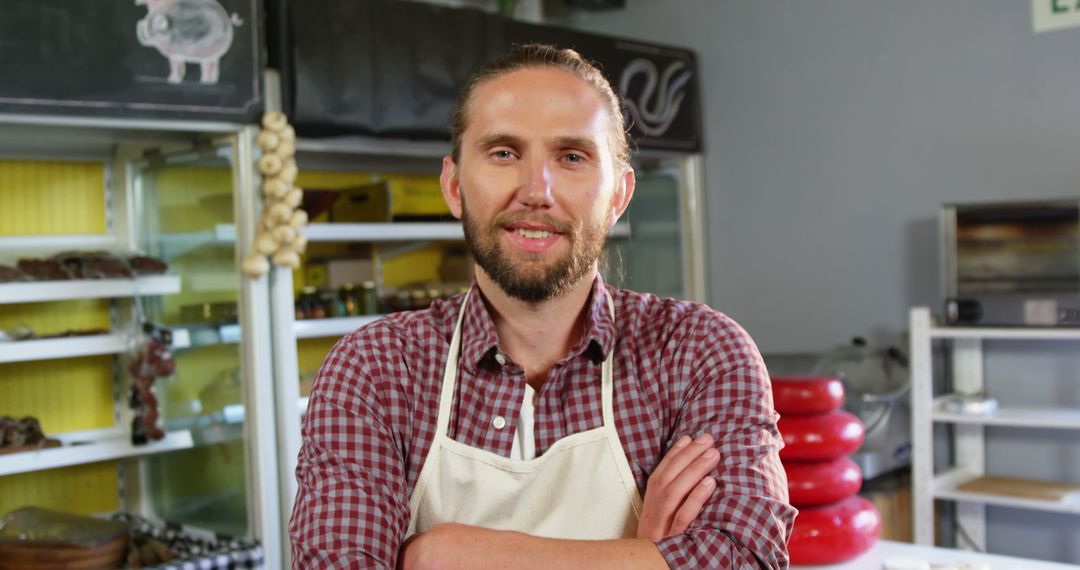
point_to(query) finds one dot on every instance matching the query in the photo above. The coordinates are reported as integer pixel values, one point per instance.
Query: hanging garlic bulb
(280, 234)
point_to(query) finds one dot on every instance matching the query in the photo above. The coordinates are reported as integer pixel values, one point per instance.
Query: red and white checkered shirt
(679, 368)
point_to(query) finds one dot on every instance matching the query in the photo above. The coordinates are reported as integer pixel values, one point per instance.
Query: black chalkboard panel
(174, 59)
(382, 67)
(392, 68)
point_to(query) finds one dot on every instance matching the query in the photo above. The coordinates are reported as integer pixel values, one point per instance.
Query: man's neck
(537, 335)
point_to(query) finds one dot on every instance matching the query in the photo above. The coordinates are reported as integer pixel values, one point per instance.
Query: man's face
(535, 185)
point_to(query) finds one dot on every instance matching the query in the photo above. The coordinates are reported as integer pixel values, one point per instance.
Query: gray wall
(834, 131)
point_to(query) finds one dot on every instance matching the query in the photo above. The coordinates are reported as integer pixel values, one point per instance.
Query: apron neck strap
(449, 381)
(606, 376)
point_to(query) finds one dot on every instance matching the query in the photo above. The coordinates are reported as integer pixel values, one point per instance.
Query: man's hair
(533, 56)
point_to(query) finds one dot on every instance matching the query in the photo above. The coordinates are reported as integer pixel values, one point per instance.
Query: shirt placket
(503, 388)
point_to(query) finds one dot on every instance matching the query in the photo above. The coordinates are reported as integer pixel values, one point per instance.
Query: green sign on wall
(1047, 15)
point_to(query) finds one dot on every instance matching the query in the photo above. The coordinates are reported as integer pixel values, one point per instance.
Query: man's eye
(572, 157)
(502, 154)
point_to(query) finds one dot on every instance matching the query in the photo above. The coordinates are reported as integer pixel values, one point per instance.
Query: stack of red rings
(834, 523)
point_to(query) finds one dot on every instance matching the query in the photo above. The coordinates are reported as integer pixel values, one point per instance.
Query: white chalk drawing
(653, 116)
(188, 31)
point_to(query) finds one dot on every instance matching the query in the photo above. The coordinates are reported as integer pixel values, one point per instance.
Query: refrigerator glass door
(185, 216)
(657, 257)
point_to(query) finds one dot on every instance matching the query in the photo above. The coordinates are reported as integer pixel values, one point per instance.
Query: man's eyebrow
(585, 144)
(498, 139)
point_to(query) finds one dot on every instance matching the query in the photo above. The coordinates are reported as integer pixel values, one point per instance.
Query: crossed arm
(677, 490)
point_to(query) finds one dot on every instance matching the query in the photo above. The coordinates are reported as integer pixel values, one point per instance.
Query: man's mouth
(533, 234)
(536, 235)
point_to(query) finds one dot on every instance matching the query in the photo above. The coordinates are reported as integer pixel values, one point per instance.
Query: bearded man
(543, 419)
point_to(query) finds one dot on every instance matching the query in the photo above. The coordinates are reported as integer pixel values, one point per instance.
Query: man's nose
(537, 185)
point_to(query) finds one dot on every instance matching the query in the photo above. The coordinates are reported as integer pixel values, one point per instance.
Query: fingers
(691, 508)
(674, 481)
(677, 486)
(683, 453)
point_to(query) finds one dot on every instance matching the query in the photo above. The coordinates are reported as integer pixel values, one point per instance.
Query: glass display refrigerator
(129, 337)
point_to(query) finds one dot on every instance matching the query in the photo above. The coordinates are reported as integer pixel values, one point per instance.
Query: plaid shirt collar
(480, 340)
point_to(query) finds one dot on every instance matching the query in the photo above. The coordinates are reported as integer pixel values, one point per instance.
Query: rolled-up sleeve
(351, 507)
(747, 521)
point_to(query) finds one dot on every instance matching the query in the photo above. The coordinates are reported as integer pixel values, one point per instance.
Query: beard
(528, 277)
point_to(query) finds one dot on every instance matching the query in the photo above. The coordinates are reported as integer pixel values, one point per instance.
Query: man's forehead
(548, 99)
(540, 81)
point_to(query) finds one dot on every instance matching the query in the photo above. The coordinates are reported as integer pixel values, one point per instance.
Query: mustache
(508, 218)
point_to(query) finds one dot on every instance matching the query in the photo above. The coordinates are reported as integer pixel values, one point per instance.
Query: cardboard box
(415, 196)
(367, 203)
(332, 273)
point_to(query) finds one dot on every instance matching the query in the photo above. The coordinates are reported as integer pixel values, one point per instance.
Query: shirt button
(501, 360)
(499, 422)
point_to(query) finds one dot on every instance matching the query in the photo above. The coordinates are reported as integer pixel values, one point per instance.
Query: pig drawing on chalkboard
(188, 31)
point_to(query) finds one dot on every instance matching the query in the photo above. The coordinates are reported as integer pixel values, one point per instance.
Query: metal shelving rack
(968, 437)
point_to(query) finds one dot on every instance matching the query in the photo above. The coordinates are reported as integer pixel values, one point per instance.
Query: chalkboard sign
(394, 69)
(172, 59)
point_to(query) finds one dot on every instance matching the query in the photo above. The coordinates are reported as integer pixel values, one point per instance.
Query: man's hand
(678, 488)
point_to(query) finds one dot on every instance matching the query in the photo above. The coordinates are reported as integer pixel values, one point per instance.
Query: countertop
(937, 557)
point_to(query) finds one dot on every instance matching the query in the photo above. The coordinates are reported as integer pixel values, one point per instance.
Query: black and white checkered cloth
(192, 552)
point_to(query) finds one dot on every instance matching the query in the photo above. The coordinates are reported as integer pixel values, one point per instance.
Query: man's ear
(624, 190)
(451, 186)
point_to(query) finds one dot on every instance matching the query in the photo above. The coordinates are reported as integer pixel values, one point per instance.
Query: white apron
(581, 488)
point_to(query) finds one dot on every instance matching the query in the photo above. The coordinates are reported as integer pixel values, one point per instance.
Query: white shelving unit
(80, 450)
(945, 487)
(67, 347)
(1049, 418)
(966, 357)
(66, 290)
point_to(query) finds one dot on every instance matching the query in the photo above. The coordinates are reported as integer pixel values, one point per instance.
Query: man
(520, 424)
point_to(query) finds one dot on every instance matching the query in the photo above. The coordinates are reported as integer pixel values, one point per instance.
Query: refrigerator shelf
(60, 242)
(342, 232)
(66, 290)
(333, 327)
(405, 231)
(79, 453)
(212, 335)
(66, 347)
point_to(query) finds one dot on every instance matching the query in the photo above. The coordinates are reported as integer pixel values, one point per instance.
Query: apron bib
(581, 488)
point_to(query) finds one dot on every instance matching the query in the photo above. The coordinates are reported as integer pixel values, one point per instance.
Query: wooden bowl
(51, 555)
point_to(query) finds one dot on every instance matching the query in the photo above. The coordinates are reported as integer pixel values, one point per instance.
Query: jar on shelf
(332, 304)
(307, 304)
(351, 298)
(368, 299)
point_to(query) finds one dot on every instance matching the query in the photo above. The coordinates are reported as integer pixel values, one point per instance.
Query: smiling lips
(532, 237)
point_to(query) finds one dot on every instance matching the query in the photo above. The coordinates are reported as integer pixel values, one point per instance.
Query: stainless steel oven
(1012, 263)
